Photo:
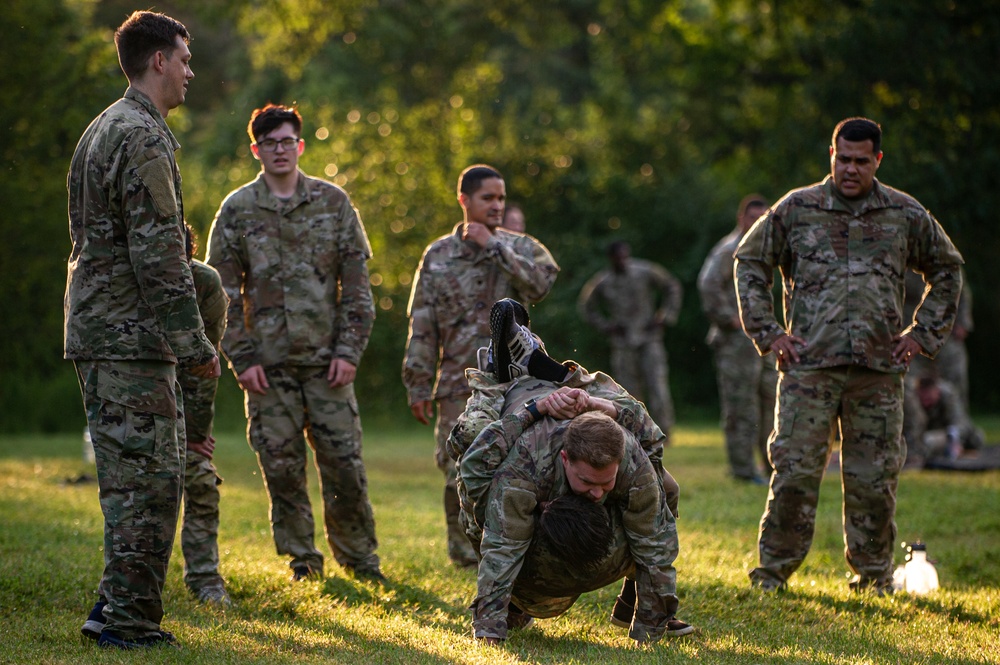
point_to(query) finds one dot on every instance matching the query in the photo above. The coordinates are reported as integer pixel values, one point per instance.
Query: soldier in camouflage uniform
(292, 253)
(200, 524)
(952, 362)
(842, 247)
(631, 303)
(935, 423)
(746, 381)
(459, 277)
(525, 460)
(131, 317)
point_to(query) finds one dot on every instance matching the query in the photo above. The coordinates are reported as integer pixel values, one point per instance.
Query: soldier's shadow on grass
(420, 604)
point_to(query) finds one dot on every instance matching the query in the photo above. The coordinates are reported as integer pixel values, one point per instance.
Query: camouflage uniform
(928, 431)
(531, 473)
(952, 362)
(130, 317)
(200, 530)
(638, 358)
(297, 278)
(747, 382)
(455, 286)
(491, 400)
(842, 264)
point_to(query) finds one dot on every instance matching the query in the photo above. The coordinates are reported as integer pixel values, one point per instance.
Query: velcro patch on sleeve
(158, 178)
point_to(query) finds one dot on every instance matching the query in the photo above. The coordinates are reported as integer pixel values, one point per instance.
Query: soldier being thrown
(510, 456)
(292, 254)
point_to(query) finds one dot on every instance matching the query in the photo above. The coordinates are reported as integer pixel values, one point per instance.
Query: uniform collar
(143, 100)
(268, 201)
(877, 199)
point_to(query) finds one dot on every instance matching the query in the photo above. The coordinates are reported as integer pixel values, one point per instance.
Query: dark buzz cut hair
(859, 129)
(143, 34)
(616, 245)
(596, 439)
(749, 201)
(472, 178)
(577, 530)
(266, 120)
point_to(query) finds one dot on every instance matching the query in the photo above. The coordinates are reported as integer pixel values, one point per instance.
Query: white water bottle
(920, 575)
(88, 447)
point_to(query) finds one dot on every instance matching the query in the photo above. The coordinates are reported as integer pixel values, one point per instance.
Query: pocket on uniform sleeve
(517, 521)
(158, 177)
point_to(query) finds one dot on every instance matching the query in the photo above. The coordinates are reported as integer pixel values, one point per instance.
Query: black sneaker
(511, 341)
(94, 625)
(677, 628)
(162, 638)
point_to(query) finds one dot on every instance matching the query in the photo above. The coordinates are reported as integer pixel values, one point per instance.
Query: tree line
(645, 121)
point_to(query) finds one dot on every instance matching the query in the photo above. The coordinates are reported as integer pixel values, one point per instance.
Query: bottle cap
(918, 547)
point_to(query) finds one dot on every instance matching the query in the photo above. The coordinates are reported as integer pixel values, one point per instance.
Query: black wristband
(533, 409)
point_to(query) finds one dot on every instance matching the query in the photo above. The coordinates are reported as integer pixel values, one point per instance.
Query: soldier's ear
(255, 150)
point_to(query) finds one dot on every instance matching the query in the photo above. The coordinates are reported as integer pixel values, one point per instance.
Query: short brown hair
(595, 439)
(143, 34)
(266, 120)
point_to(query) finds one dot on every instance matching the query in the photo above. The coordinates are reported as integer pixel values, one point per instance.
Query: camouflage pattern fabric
(952, 362)
(455, 285)
(129, 290)
(490, 400)
(277, 421)
(868, 406)
(546, 587)
(843, 276)
(631, 309)
(136, 425)
(454, 288)
(532, 473)
(459, 549)
(200, 521)
(130, 314)
(296, 274)
(842, 264)
(747, 382)
(926, 429)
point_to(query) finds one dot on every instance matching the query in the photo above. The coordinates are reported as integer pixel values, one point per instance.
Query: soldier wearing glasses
(292, 253)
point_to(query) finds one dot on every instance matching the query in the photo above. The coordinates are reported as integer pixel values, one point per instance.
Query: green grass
(50, 560)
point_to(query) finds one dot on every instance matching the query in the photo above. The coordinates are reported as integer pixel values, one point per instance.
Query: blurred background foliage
(636, 119)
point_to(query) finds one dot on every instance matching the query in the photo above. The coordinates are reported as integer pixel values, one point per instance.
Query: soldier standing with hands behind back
(131, 318)
(843, 247)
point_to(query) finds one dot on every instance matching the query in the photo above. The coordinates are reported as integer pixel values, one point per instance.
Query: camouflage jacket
(717, 287)
(199, 393)
(624, 306)
(129, 290)
(915, 293)
(454, 289)
(491, 399)
(842, 275)
(532, 473)
(296, 274)
(948, 411)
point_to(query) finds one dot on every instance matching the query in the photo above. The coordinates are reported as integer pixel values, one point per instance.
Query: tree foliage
(637, 119)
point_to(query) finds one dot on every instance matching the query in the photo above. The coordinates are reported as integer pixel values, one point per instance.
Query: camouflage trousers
(642, 370)
(301, 407)
(459, 549)
(135, 415)
(747, 385)
(868, 408)
(200, 530)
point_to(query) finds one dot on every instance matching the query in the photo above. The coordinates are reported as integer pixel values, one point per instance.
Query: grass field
(50, 561)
